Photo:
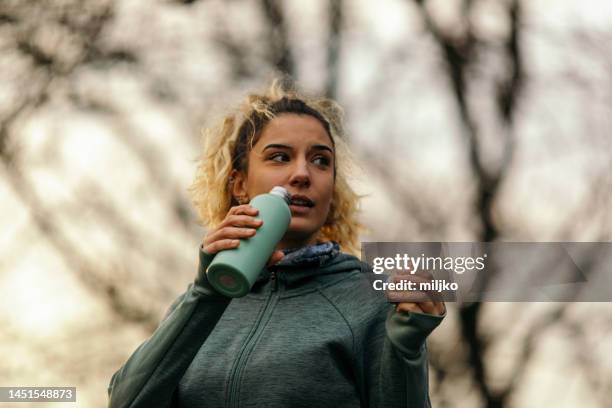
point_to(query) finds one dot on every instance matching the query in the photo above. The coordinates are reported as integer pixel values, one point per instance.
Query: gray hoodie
(311, 333)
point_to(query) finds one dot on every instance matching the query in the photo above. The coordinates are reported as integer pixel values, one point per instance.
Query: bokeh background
(472, 120)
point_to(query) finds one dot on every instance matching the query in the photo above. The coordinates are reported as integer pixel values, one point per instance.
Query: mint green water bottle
(234, 271)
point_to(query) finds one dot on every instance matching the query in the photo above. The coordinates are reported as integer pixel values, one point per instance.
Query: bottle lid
(281, 192)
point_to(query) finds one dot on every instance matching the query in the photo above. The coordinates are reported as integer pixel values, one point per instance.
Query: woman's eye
(321, 160)
(279, 157)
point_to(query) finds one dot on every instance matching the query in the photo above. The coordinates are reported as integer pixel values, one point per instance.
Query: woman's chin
(299, 231)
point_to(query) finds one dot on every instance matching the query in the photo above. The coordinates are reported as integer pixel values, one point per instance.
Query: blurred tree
(190, 56)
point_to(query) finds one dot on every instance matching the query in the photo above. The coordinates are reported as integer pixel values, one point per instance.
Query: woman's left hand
(433, 308)
(417, 301)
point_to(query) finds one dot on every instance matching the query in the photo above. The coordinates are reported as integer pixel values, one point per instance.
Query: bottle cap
(281, 192)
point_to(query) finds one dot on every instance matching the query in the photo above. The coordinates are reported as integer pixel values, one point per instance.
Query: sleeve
(151, 374)
(395, 359)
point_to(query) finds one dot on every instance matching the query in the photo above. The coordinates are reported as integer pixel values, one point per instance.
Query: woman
(312, 332)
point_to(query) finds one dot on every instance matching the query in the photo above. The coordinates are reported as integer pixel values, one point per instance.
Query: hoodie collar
(316, 254)
(302, 264)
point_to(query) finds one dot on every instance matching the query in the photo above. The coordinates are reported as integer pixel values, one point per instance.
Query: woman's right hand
(240, 222)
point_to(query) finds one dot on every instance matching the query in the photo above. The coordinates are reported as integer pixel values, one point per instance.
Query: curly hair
(226, 147)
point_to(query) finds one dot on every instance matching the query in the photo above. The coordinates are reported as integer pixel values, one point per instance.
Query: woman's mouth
(300, 204)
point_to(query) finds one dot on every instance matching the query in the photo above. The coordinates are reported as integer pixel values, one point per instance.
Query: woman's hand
(240, 222)
(433, 308)
(416, 301)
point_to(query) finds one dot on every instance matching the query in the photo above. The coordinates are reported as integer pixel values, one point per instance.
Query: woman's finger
(428, 307)
(217, 246)
(230, 233)
(408, 296)
(275, 257)
(408, 307)
(440, 308)
(240, 221)
(407, 272)
(434, 308)
(243, 209)
(416, 293)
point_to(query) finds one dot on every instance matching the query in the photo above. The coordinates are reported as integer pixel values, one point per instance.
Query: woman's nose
(300, 175)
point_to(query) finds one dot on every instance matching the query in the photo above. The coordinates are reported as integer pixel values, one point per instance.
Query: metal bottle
(234, 271)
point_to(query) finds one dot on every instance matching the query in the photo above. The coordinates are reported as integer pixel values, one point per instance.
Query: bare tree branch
(426, 216)
(278, 37)
(333, 47)
(458, 52)
(72, 257)
(89, 29)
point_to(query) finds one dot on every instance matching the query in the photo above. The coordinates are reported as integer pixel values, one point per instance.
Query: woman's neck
(288, 243)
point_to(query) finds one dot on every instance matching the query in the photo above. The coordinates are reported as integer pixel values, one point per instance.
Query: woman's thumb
(276, 257)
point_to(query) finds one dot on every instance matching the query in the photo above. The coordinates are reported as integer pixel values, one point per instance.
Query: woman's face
(293, 151)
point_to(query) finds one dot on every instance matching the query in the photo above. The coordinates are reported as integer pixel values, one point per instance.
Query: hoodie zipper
(247, 348)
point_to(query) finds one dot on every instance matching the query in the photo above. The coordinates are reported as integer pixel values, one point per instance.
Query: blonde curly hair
(226, 147)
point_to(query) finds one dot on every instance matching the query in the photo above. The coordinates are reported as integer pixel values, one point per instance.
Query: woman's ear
(238, 184)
